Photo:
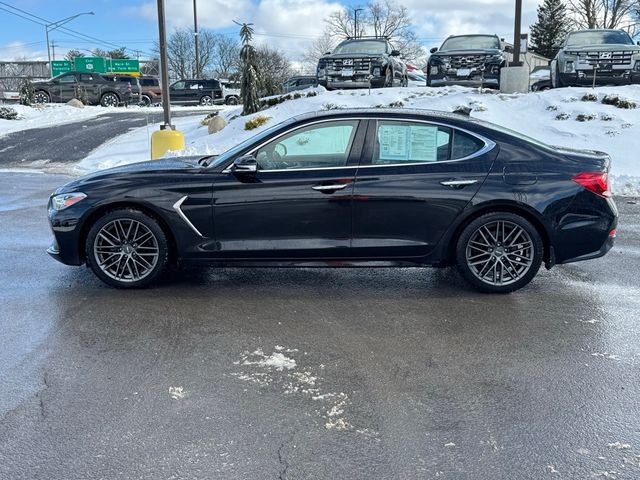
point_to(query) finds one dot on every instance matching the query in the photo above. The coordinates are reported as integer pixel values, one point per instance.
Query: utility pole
(355, 21)
(52, 26)
(167, 138)
(516, 35)
(53, 49)
(195, 34)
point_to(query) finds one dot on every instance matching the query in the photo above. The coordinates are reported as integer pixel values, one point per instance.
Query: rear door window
(399, 142)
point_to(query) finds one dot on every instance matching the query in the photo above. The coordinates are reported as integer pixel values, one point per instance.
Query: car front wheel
(126, 249)
(499, 252)
(206, 100)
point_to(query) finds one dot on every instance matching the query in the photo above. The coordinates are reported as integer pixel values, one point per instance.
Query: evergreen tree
(550, 28)
(249, 76)
(27, 91)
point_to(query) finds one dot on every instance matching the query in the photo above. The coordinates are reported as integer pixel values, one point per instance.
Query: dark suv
(360, 63)
(196, 92)
(100, 89)
(471, 60)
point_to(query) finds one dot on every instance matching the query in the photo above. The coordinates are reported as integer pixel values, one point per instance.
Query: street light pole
(49, 27)
(355, 22)
(516, 35)
(195, 34)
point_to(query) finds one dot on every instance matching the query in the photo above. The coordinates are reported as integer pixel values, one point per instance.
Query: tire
(232, 100)
(126, 249)
(388, 78)
(41, 97)
(405, 81)
(145, 101)
(488, 264)
(109, 99)
(206, 101)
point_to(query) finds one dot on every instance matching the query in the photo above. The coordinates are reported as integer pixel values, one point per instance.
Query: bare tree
(72, 54)
(624, 14)
(317, 49)
(226, 61)
(380, 18)
(273, 69)
(182, 56)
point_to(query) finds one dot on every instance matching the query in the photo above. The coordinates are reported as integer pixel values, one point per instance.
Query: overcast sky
(287, 24)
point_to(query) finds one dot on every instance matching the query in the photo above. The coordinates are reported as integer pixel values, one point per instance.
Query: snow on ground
(557, 117)
(51, 114)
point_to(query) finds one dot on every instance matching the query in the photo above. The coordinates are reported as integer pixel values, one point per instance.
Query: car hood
(613, 47)
(150, 166)
(353, 55)
(474, 51)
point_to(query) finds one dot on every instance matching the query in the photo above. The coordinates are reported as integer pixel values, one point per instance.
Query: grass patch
(256, 122)
(585, 117)
(618, 102)
(589, 97)
(563, 116)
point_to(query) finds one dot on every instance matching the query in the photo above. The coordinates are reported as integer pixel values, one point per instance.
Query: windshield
(594, 37)
(471, 42)
(366, 46)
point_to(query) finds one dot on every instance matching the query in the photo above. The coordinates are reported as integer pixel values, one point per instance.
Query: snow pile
(570, 117)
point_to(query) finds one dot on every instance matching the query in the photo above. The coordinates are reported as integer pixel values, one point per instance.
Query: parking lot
(313, 373)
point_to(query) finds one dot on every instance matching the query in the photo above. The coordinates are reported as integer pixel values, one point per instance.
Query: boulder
(216, 124)
(74, 102)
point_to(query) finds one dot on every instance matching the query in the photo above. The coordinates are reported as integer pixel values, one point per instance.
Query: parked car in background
(299, 83)
(230, 91)
(432, 189)
(196, 92)
(603, 57)
(151, 90)
(136, 89)
(416, 78)
(471, 60)
(540, 79)
(100, 89)
(360, 63)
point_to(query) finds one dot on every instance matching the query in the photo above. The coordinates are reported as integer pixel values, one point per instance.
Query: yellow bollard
(164, 140)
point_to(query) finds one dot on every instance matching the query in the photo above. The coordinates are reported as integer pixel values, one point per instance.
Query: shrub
(27, 91)
(396, 104)
(312, 94)
(256, 122)
(606, 118)
(585, 117)
(552, 108)
(80, 93)
(563, 116)
(616, 101)
(331, 106)
(8, 113)
(589, 97)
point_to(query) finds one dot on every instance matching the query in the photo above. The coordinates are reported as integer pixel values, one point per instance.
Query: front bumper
(490, 81)
(66, 228)
(356, 81)
(613, 77)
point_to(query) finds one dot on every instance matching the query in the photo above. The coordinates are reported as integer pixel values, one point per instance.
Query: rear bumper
(606, 246)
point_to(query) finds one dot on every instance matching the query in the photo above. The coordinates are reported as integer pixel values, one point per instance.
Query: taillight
(596, 182)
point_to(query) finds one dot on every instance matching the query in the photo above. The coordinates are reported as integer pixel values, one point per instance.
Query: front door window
(315, 146)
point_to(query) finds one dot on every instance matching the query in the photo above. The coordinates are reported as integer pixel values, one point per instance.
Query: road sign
(60, 66)
(91, 64)
(120, 65)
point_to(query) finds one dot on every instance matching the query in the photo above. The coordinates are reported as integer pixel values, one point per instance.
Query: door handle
(458, 183)
(327, 188)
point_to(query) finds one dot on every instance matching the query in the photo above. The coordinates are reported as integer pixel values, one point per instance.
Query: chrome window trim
(488, 145)
(176, 207)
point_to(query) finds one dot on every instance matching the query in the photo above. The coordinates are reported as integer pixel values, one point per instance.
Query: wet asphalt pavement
(313, 374)
(55, 146)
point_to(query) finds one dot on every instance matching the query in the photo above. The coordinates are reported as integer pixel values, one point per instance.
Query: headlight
(376, 71)
(64, 200)
(433, 70)
(569, 67)
(637, 66)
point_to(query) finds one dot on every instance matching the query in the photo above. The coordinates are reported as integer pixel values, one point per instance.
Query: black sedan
(347, 188)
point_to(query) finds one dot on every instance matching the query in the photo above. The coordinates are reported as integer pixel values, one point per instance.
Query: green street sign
(60, 66)
(119, 65)
(91, 64)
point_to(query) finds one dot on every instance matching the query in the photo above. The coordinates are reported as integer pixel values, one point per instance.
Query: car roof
(387, 112)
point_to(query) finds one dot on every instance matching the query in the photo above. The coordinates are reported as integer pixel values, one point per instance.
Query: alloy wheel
(110, 100)
(126, 250)
(41, 97)
(500, 253)
(206, 100)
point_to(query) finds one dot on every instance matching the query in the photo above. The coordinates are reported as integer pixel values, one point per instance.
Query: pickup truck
(100, 89)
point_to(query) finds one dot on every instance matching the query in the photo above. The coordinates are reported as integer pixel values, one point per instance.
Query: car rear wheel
(232, 100)
(126, 249)
(206, 100)
(145, 101)
(109, 100)
(499, 252)
(41, 97)
(388, 77)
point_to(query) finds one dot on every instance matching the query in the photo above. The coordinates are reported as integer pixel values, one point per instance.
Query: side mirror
(508, 49)
(327, 53)
(246, 164)
(395, 53)
(433, 50)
